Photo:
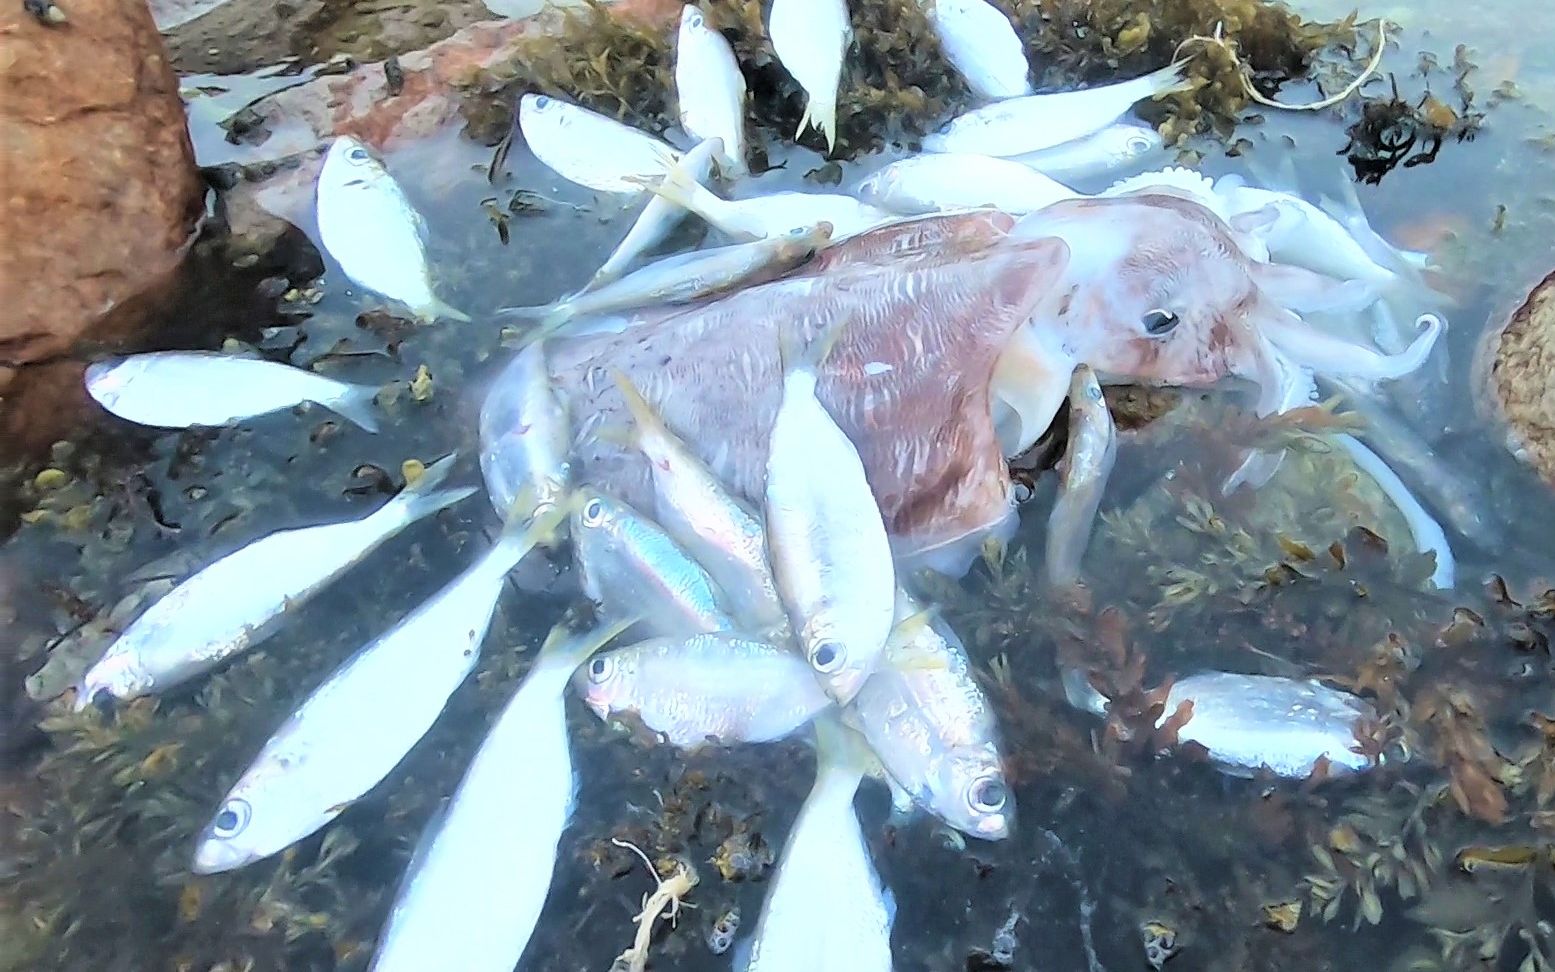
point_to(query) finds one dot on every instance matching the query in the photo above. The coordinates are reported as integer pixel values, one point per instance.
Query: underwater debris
(1160, 943)
(667, 896)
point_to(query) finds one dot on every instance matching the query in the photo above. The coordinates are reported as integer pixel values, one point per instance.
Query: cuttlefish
(955, 339)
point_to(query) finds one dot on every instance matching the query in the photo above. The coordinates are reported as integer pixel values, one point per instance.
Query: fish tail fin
(528, 525)
(678, 186)
(572, 649)
(355, 404)
(823, 118)
(1168, 80)
(438, 310)
(838, 748)
(423, 497)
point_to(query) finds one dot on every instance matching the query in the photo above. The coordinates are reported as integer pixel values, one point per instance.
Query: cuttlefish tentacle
(1327, 354)
(1309, 292)
(1427, 533)
(1087, 462)
(1282, 386)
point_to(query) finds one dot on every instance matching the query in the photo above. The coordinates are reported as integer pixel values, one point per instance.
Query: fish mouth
(214, 856)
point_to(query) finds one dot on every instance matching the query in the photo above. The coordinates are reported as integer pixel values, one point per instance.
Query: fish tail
(564, 646)
(838, 748)
(355, 403)
(423, 497)
(821, 117)
(534, 528)
(1168, 80)
(548, 318)
(437, 310)
(644, 415)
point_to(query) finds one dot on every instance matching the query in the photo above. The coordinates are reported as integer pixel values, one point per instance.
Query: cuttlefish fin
(1306, 292)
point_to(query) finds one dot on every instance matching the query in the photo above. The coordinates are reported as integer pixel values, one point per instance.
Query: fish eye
(1159, 321)
(827, 657)
(231, 819)
(593, 513)
(542, 101)
(987, 794)
(600, 669)
(1138, 144)
(357, 154)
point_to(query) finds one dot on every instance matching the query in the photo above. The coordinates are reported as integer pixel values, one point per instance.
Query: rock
(101, 194)
(1517, 369)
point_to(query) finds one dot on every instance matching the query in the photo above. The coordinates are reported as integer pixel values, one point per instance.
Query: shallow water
(104, 824)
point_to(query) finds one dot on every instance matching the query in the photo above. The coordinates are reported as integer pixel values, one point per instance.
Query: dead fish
(177, 389)
(658, 217)
(631, 567)
(924, 715)
(721, 532)
(238, 601)
(719, 687)
(683, 278)
(830, 553)
(1114, 147)
(951, 181)
(1087, 463)
(710, 90)
(591, 149)
(981, 43)
(369, 226)
(1016, 126)
(526, 436)
(810, 38)
(770, 215)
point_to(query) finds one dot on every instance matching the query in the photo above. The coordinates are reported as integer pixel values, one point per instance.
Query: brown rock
(1518, 364)
(100, 193)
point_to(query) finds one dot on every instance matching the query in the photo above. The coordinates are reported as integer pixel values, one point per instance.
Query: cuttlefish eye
(827, 657)
(987, 794)
(600, 669)
(593, 513)
(233, 816)
(358, 154)
(1159, 321)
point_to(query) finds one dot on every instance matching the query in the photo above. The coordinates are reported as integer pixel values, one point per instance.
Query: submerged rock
(101, 195)
(1516, 363)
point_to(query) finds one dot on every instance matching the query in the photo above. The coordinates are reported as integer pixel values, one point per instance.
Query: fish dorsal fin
(1174, 178)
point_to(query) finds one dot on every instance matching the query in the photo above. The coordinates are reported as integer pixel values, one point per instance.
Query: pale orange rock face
(98, 190)
(1519, 366)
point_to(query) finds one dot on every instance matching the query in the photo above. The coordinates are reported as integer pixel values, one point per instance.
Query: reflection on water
(1421, 866)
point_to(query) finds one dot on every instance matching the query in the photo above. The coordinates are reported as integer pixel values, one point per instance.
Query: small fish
(810, 38)
(1087, 462)
(1299, 233)
(372, 231)
(177, 389)
(1252, 722)
(526, 436)
(629, 565)
(951, 181)
(981, 43)
(722, 687)
(356, 727)
(826, 910)
(771, 215)
(927, 719)
(658, 217)
(238, 601)
(1118, 145)
(830, 553)
(711, 90)
(590, 149)
(470, 902)
(1017, 126)
(684, 277)
(696, 508)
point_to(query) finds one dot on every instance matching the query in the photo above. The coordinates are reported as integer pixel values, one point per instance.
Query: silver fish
(1249, 723)
(526, 436)
(658, 217)
(1088, 459)
(590, 149)
(830, 553)
(722, 687)
(238, 601)
(927, 719)
(981, 43)
(684, 277)
(773, 214)
(826, 910)
(695, 507)
(951, 181)
(810, 38)
(710, 90)
(356, 726)
(373, 232)
(1100, 153)
(628, 565)
(469, 902)
(1016, 126)
(177, 389)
